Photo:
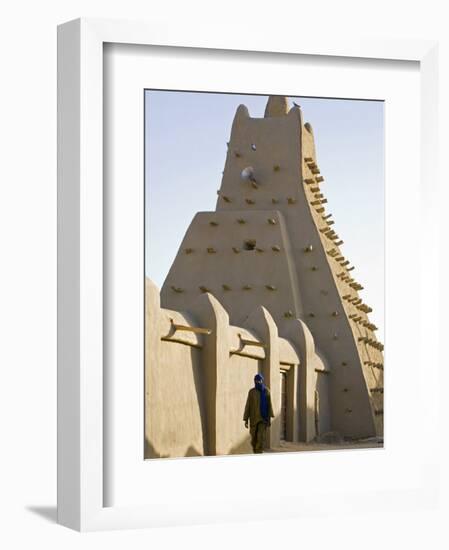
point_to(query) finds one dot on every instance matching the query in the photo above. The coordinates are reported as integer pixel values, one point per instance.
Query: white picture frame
(82, 487)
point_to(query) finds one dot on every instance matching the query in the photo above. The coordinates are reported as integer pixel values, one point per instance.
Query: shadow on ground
(47, 512)
(288, 446)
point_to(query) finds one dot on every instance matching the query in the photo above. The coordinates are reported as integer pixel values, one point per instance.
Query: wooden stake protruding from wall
(196, 330)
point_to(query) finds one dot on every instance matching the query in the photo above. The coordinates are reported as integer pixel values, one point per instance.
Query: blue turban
(263, 396)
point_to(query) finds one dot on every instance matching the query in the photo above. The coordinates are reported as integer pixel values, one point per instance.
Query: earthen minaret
(272, 241)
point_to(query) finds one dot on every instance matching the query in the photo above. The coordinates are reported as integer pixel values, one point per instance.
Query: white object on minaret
(247, 174)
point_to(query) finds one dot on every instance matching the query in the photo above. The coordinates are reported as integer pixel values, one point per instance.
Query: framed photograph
(298, 365)
(241, 240)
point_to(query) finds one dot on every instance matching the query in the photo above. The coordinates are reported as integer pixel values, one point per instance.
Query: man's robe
(258, 424)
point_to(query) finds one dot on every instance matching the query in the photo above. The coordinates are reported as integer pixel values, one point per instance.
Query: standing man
(259, 411)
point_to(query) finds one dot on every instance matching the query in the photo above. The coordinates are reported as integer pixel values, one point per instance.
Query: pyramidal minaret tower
(272, 241)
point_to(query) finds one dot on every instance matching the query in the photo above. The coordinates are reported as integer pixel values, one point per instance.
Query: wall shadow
(200, 389)
(191, 451)
(243, 447)
(149, 449)
(152, 452)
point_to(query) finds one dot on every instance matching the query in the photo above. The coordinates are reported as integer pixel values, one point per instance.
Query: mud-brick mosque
(261, 285)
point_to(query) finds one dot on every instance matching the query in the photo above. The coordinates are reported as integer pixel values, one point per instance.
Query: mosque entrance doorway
(283, 434)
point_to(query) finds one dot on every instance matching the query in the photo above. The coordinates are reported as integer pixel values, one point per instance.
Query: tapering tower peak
(276, 106)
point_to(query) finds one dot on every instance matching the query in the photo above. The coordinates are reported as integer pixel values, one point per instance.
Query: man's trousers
(258, 436)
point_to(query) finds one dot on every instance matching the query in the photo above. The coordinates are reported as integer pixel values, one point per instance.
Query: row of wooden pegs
(373, 364)
(224, 287)
(312, 165)
(235, 249)
(243, 221)
(289, 200)
(355, 286)
(334, 253)
(318, 197)
(364, 322)
(371, 342)
(330, 233)
(376, 389)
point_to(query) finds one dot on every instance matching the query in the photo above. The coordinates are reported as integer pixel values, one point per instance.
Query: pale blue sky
(186, 135)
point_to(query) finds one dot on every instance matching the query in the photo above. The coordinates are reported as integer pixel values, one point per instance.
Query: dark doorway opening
(283, 433)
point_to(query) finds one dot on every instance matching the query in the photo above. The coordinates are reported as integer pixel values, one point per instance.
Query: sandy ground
(288, 446)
